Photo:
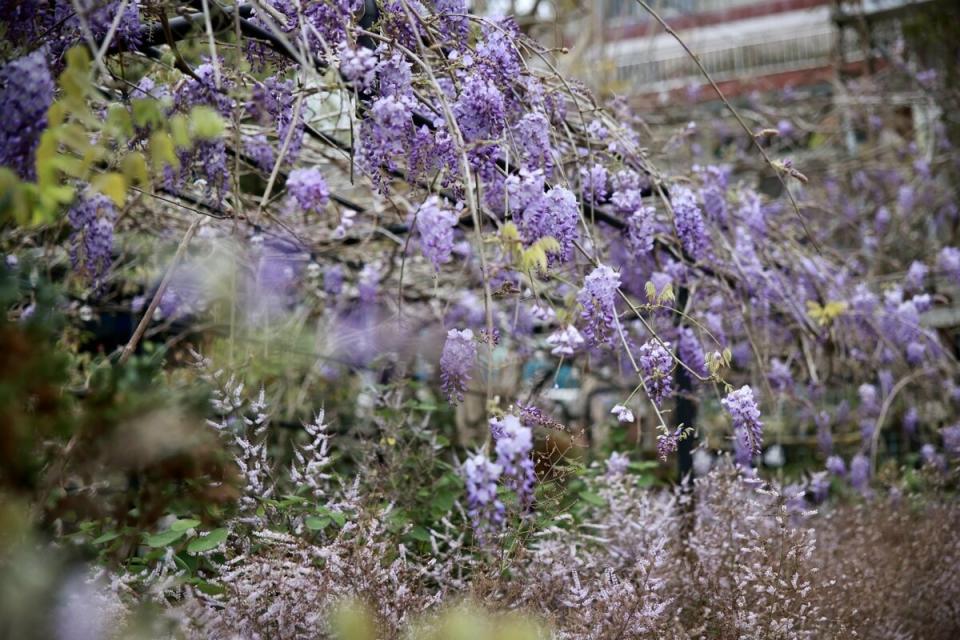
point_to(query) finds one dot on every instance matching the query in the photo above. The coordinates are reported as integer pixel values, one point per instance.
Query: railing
(619, 9)
(752, 60)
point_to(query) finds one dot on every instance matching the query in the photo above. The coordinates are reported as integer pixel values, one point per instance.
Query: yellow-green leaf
(205, 123)
(147, 112)
(180, 130)
(119, 122)
(112, 185)
(134, 168)
(651, 290)
(162, 153)
(509, 233)
(534, 258)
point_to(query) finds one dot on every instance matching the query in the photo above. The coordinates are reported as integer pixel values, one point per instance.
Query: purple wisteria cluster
(480, 110)
(598, 298)
(689, 222)
(640, 230)
(309, 190)
(92, 218)
(456, 363)
(436, 223)
(272, 105)
(690, 351)
(481, 476)
(553, 214)
(656, 368)
(26, 91)
(747, 428)
(513, 445)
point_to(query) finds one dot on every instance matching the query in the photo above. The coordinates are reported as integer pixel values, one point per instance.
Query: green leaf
(183, 525)
(209, 588)
(106, 537)
(420, 533)
(443, 501)
(164, 539)
(207, 542)
(317, 523)
(206, 123)
(592, 498)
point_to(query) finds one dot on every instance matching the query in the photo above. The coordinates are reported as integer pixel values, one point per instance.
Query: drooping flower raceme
(309, 189)
(99, 16)
(689, 221)
(691, 352)
(565, 341)
(860, 472)
(481, 476)
(748, 430)
(951, 440)
(514, 444)
(555, 215)
(617, 464)
(385, 133)
(640, 230)
(272, 104)
(598, 299)
(358, 66)
(454, 23)
(656, 366)
(91, 243)
(667, 443)
(623, 413)
(594, 181)
(480, 110)
(948, 263)
(532, 137)
(714, 193)
(26, 91)
(456, 362)
(836, 466)
(435, 223)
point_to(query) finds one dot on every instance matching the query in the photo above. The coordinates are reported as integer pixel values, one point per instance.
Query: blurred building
(745, 45)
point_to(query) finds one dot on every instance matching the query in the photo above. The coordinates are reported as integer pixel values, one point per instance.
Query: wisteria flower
(456, 362)
(656, 367)
(309, 189)
(748, 430)
(435, 223)
(565, 342)
(623, 414)
(598, 299)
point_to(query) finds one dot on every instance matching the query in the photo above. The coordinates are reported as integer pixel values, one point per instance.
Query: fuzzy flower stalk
(311, 460)
(747, 428)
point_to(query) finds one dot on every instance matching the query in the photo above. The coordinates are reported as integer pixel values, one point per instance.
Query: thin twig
(148, 314)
